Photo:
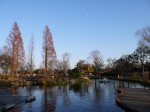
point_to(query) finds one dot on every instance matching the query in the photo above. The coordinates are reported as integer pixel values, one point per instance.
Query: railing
(9, 99)
(4, 91)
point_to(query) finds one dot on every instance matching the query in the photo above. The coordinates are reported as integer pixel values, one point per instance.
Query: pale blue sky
(78, 26)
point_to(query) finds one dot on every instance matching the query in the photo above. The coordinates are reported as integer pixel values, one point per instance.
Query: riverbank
(42, 82)
(63, 81)
(142, 81)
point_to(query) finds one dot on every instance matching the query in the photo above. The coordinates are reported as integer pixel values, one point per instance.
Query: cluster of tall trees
(139, 60)
(12, 57)
(93, 65)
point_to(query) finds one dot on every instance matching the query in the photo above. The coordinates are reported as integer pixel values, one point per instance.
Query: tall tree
(143, 45)
(59, 67)
(124, 65)
(97, 60)
(31, 55)
(65, 63)
(16, 47)
(110, 62)
(142, 54)
(49, 53)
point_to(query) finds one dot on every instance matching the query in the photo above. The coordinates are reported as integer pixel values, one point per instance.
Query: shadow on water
(75, 88)
(85, 97)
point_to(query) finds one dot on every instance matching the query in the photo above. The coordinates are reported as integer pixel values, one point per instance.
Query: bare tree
(65, 63)
(5, 60)
(97, 60)
(142, 51)
(16, 47)
(144, 34)
(110, 62)
(59, 67)
(31, 55)
(49, 53)
(142, 54)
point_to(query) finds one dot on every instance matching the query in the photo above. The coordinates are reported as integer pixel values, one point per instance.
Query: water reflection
(86, 97)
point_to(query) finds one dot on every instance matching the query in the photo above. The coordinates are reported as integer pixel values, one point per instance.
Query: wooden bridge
(133, 99)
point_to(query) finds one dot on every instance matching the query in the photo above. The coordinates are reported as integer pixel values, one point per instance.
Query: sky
(78, 26)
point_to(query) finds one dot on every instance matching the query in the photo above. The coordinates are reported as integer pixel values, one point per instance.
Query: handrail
(9, 99)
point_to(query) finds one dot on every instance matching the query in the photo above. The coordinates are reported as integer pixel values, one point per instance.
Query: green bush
(79, 81)
(45, 83)
(74, 73)
(52, 83)
(49, 82)
(63, 82)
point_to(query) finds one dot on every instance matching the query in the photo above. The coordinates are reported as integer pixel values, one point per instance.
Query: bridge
(134, 99)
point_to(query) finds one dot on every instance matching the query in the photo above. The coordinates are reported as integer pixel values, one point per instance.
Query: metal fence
(4, 91)
(9, 99)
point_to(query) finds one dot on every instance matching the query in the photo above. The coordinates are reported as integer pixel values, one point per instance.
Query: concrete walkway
(134, 100)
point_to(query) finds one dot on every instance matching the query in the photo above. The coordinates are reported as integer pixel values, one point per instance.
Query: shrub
(52, 83)
(74, 73)
(45, 82)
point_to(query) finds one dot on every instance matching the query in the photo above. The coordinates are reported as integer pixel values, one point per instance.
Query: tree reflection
(89, 97)
(49, 100)
(97, 91)
(75, 87)
(81, 89)
(66, 98)
(29, 92)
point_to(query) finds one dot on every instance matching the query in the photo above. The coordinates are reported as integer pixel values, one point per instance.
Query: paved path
(136, 100)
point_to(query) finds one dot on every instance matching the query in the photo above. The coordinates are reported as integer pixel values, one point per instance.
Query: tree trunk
(45, 61)
(143, 70)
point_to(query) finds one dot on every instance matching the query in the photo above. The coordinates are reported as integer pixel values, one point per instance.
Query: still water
(85, 97)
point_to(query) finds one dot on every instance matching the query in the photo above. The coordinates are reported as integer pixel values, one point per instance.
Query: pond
(85, 97)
